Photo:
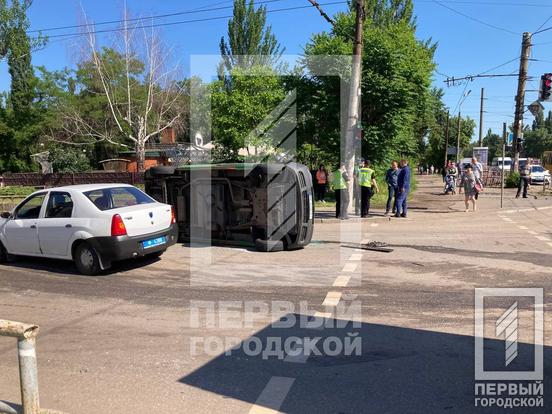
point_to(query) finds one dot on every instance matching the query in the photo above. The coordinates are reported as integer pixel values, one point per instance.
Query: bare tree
(142, 93)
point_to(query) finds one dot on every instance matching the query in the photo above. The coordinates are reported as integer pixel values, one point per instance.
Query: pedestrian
(321, 183)
(477, 169)
(368, 184)
(356, 186)
(339, 184)
(403, 184)
(432, 169)
(472, 186)
(391, 178)
(524, 177)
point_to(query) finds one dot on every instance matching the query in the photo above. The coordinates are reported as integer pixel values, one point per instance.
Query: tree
(250, 41)
(238, 111)
(494, 143)
(396, 76)
(142, 95)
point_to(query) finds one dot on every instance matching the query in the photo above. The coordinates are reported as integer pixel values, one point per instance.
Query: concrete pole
(447, 132)
(458, 138)
(28, 375)
(504, 137)
(520, 97)
(354, 113)
(481, 111)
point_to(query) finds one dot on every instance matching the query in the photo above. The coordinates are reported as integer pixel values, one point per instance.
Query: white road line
(316, 323)
(349, 267)
(273, 395)
(550, 244)
(534, 233)
(355, 257)
(507, 219)
(374, 225)
(342, 281)
(332, 299)
(542, 238)
(523, 228)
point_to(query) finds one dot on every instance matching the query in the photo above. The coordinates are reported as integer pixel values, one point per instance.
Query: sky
(473, 37)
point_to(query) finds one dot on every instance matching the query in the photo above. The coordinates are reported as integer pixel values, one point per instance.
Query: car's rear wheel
(87, 260)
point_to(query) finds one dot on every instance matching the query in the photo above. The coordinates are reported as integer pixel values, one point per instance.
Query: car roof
(84, 187)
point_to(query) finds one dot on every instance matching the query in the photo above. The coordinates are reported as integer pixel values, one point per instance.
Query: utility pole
(520, 97)
(504, 137)
(354, 114)
(458, 138)
(447, 139)
(481, 117)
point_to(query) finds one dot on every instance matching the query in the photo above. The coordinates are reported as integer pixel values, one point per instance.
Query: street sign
(451, 151)
(535, 108)
(510, 139)
(482, 154)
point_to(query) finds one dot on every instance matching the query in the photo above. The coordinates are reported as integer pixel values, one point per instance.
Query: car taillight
(118, 226)
(173, 217)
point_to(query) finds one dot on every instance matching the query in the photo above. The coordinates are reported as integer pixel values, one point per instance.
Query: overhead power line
(157, 16)
(149, 26)
(475, 19)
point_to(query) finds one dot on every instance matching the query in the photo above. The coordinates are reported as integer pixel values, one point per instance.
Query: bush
(512, 181)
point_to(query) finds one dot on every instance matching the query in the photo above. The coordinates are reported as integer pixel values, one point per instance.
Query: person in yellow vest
(339, 185)
(368, 187)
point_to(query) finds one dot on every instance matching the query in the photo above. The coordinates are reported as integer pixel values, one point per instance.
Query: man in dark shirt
(524, 176)
(391, 178)
(403, 183)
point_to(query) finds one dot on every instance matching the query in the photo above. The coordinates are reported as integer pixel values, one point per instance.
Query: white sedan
(539, 175)
(93, 225)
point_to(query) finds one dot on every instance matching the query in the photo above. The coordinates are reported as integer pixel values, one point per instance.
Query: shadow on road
(398, 370)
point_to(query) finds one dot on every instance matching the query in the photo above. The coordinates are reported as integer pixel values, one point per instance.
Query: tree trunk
(140, 156)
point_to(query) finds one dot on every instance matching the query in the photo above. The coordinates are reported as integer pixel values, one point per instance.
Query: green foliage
(396, 77)
(512, 181)
(67, 159)
(237, 111)
(494, 143)
(250, 41)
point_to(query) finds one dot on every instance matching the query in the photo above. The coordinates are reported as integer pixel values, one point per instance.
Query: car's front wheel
(87, 260)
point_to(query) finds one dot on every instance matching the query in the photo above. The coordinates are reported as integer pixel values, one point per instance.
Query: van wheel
(3, 254)
(269, 245)
(86, 259)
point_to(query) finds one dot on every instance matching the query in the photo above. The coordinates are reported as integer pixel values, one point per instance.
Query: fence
(28, 372)
(60, 179)
(493, 177)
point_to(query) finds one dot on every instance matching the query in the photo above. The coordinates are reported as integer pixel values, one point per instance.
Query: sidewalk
(429, 199)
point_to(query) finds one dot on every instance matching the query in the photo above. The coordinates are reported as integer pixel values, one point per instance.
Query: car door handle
(33, 226)
(68, 226)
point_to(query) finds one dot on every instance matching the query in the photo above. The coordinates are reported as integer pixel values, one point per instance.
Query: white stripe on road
(534, 233)
(332, 299)
(273, 395)
(355, 257)
(349, 267)
(523, 228)
(318, 321)
(374, 225)
(507, 219)
(550, 244)
(342, 281)
(542, 238)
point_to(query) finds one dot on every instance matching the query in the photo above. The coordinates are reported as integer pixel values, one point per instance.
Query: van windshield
(117, 197)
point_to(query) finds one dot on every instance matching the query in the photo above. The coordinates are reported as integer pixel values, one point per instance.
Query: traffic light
(546, 87)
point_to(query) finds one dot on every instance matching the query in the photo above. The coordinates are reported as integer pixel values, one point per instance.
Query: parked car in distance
(539, 175)
(92, 225)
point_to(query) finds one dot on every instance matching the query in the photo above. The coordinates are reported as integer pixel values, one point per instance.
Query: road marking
(523, 228)
(349, 267)
(355, 257)
(342, 281)
(550, 244)
(534, 233)
(273, 395)
(332, 299)
(374, 225)
(506, 219)
(542, 238)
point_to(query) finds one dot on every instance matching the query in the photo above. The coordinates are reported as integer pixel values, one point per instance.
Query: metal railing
(28, 372)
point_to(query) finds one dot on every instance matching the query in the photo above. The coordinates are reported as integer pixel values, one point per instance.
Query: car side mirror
(6, 215)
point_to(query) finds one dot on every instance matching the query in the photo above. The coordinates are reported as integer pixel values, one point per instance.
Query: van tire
(86, 259)
(269, 245)
(3, 254)
(161, 170)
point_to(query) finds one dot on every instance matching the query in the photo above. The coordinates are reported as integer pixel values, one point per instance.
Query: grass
(16, 191)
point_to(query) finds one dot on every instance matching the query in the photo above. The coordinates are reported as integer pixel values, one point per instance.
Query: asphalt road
(157, 336)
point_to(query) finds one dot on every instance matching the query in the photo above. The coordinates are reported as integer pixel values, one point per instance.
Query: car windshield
(117, 197)
(537, 169)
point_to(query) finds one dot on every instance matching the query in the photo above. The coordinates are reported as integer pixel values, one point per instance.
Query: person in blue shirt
(391, 178)
(403, 184)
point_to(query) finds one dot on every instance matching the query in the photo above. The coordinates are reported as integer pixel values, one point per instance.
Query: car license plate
(147, 244)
